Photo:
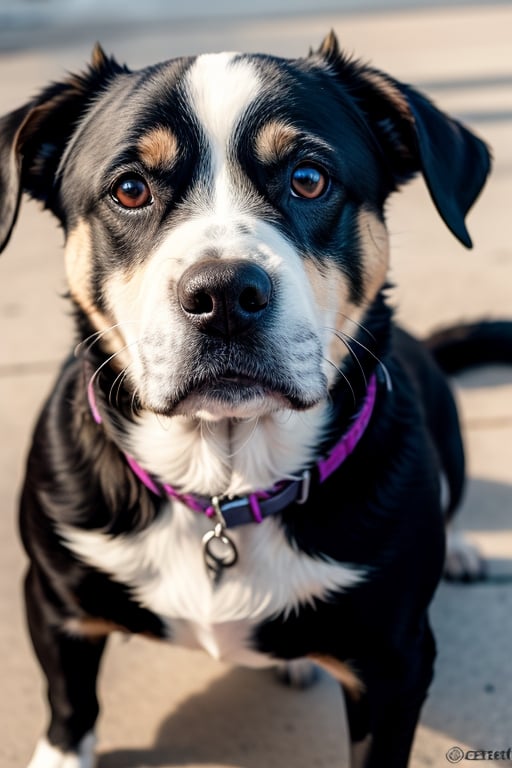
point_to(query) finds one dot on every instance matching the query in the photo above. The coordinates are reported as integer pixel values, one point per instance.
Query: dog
(245, 454)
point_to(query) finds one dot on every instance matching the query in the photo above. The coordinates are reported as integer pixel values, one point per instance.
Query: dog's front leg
(71, 665)
(382, 722)
(388, 738)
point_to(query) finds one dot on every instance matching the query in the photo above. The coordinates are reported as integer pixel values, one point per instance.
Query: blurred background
(166, 707)
(49, 17)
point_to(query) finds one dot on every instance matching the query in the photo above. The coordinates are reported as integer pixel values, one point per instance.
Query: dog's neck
(226, 457)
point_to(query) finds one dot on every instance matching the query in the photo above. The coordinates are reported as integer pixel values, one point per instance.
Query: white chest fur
(165, 568)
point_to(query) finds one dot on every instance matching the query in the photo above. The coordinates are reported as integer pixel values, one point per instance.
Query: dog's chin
(216, 408)
(237, 397)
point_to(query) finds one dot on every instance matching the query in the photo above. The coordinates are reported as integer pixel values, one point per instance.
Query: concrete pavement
(167, 707)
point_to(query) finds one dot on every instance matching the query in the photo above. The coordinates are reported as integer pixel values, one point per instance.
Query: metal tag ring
(224, 561)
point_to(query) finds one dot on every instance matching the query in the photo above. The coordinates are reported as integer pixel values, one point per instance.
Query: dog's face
(224, 215)
(233, 238)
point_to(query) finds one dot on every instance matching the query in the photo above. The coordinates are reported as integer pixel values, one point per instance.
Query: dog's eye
(308, 181)
(131, 192)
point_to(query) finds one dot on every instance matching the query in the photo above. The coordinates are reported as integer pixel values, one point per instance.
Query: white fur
(220, 90)
(164, 567)
(463, 560)
(219, 79)
(231, 458)
(48, 756)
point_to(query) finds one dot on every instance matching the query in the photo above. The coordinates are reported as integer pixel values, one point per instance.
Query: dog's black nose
(224, 298)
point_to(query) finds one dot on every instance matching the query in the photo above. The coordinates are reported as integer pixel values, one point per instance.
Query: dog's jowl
(243, 455)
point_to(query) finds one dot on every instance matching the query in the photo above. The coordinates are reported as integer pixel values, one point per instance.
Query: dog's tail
(468, 345)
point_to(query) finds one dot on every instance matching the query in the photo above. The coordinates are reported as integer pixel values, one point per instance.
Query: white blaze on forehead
(221, 87)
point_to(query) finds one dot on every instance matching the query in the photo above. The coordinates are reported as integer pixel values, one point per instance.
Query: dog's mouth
(208, 379)
(233, 393)
(231, 378)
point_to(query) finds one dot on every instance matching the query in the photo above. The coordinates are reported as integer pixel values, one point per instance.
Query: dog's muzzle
(225, 298)
(237, 348)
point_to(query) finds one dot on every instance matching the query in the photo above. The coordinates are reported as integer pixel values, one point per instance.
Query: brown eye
(308, 181)
(131, 192)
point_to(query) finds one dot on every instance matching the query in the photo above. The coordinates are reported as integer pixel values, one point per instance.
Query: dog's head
(224, 214)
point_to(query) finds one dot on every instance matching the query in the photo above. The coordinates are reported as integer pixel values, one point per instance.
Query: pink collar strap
(255, 507)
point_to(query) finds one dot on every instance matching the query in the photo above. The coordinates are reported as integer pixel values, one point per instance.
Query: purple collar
(255, 507)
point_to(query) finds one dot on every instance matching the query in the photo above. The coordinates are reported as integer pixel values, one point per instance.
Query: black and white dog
(244, 455)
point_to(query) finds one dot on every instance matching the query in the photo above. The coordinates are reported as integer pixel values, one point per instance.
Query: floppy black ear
(34, 137)
(415, 136)
(455, 163)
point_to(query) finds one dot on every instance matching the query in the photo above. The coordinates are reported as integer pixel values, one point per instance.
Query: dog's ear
(34, 137)
(415, 136)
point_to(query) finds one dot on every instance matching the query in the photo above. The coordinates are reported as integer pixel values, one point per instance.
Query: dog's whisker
(346, 341)
(117, 383)
(358, 324)
(164, 425)
(228, 455)
(206, 425)
(86, 344)
(212, 437)
(382, 366)
(353, 340)
(248, 439)
(133, 399)
(106, 362)
(387, 376)
(207, 434)
(344, 377)
(284, 416)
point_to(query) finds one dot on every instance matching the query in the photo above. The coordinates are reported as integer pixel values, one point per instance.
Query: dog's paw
(463, 561)
(299, 673)
(48, 756)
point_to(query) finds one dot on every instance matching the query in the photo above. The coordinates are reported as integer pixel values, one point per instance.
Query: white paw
(48, 756)
(300, 673)
(463, 560)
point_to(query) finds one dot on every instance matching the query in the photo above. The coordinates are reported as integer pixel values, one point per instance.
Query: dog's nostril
(254, 299)
(200, 303)
(194, 299)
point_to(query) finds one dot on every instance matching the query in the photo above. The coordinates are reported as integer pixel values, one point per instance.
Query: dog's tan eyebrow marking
(158, 148)
(275, 141)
